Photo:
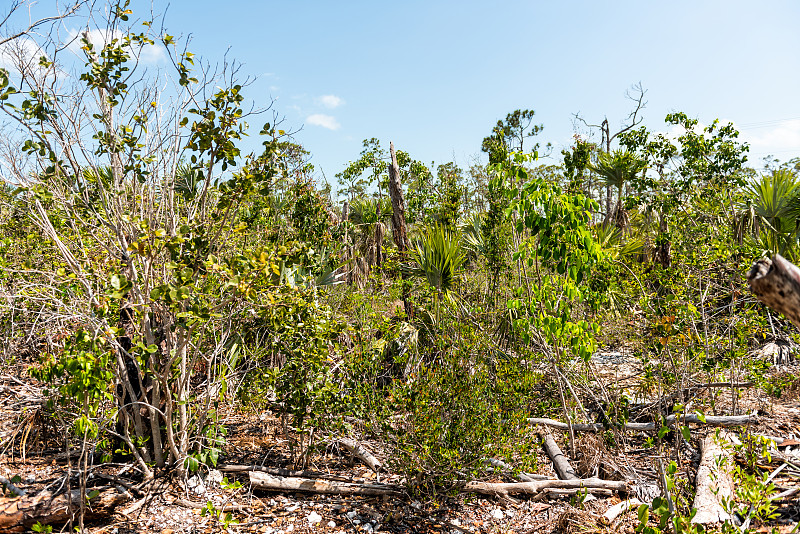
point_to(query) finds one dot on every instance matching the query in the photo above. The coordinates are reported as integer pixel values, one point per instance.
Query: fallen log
(711, 420)
(776, 283)
(560, 462)
(502, 489)
(19, 514)
(714, 481)
(277, 471)
(618, 509)
(265, 481)
(361, 452)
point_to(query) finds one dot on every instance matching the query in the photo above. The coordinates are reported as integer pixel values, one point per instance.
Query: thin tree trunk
(399, 229)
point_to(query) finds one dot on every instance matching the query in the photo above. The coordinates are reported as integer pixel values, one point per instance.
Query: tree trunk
(776, 283)
(399, 229)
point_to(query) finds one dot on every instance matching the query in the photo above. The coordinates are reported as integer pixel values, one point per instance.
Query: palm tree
(615, 169)
(771, 211)
(438, 257)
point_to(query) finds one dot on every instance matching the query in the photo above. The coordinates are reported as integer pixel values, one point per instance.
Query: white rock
(497, 513)
(292, 508)
(314, 518)
(214, 477)
(351, 514)
(331, 524)
(193, 481)
(367, 527)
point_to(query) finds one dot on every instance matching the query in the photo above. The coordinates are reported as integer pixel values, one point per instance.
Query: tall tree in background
(635, 94)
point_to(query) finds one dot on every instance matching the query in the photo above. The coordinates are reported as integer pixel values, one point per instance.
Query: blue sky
(434, 76)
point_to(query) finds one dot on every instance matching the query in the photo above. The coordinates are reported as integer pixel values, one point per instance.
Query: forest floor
(30, 450)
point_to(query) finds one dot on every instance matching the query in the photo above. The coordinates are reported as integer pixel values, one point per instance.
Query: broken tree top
(776, 283)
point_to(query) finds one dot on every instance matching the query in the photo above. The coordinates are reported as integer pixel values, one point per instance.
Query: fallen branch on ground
(711, 420)
(618, 509)
(276, 471)
(714, 481)
(538, 486)
(265, 481)
(361, 452)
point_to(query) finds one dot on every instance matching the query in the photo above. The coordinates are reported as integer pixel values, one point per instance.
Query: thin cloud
(330, 101)
(20, 53)
(325, 121)
(782, 138)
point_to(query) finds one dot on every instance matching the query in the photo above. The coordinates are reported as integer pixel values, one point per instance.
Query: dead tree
(776, 283)
(399, 229)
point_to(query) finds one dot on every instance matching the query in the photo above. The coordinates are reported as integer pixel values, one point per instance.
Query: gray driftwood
(714, 481)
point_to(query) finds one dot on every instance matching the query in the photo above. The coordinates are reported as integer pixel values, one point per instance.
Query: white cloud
(326, 121)
(20, 52)
(330, 101)
(148, 54)
(781, 140)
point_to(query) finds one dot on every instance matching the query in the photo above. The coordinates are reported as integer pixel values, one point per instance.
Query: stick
(618, 509)
(360, 452)
(560, 462)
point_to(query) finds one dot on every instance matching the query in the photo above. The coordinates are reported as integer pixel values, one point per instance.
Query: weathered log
(776, 283)
(18, 514)
(276, 471)
(399, 229)
(361, 452)
(265, 481)
(714, 481)
(618, 509)
(560, 462)
(537, 486)
(711, 420)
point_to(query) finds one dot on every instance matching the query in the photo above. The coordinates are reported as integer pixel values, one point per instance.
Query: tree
(771, 210)
(140, 205)
(17, 8)
(702, 160)
(636, 95)
(509, 135)
(450, 193)
(615, 170)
